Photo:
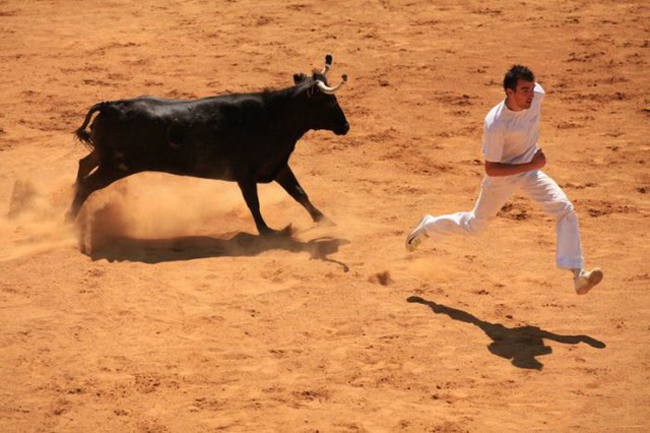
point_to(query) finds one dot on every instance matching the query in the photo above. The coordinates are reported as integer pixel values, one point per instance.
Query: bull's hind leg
(288, 181)
(86, 165)
(99, 179)
(249, 191)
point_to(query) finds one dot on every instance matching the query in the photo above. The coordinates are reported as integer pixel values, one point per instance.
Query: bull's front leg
(288, 181)
(249, 190)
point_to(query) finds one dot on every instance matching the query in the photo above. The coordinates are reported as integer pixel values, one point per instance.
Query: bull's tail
(81, 133)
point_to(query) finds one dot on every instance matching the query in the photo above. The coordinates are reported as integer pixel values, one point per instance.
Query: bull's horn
(328, 63)
(330, 90)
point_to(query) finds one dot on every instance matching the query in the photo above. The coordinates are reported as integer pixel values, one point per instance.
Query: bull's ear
(299, 78)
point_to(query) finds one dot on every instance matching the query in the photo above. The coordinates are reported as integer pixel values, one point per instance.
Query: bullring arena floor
(178, 317)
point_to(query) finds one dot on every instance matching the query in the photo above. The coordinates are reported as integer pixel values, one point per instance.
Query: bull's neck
(290, 108)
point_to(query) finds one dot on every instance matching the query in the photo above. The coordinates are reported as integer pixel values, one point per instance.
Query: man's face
(521, 98)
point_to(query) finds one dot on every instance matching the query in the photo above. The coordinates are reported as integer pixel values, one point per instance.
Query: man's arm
(496, 169)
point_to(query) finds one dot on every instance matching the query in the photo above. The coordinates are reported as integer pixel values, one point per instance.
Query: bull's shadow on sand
(197, 247)
(521, 345)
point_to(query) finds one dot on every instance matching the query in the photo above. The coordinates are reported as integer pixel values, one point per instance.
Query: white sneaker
(417, 235)
(587, 280)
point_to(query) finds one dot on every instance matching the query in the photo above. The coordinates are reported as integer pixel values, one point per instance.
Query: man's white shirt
(510, 137)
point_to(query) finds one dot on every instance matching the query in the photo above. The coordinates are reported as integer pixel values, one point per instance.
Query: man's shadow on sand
(521, 345)
(196, 247)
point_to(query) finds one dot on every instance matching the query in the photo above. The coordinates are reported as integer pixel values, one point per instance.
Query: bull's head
(323, 106)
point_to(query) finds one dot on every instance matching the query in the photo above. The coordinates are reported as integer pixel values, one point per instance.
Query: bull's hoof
(325, 222)
(284, 233)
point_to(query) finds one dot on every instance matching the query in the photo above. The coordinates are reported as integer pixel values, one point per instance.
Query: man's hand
(501, 169)
(538, 161)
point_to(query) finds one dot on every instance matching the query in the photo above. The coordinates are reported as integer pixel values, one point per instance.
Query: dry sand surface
(178, 317)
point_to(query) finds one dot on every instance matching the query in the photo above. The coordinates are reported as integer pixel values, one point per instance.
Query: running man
(513, 162)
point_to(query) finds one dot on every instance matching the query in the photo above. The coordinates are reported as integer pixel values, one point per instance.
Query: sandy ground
(180, 318)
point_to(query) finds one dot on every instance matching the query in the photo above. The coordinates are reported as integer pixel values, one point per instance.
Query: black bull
(245, 138)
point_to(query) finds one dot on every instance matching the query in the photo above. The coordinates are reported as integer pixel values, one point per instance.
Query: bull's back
(204, 137)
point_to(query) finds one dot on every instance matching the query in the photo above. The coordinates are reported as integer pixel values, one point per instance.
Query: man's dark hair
(516, 73)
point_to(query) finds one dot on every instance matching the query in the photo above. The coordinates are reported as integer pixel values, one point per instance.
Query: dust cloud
(34, 222)
(161, 206)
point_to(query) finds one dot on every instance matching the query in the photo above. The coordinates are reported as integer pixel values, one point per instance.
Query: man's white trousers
(495, 191)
